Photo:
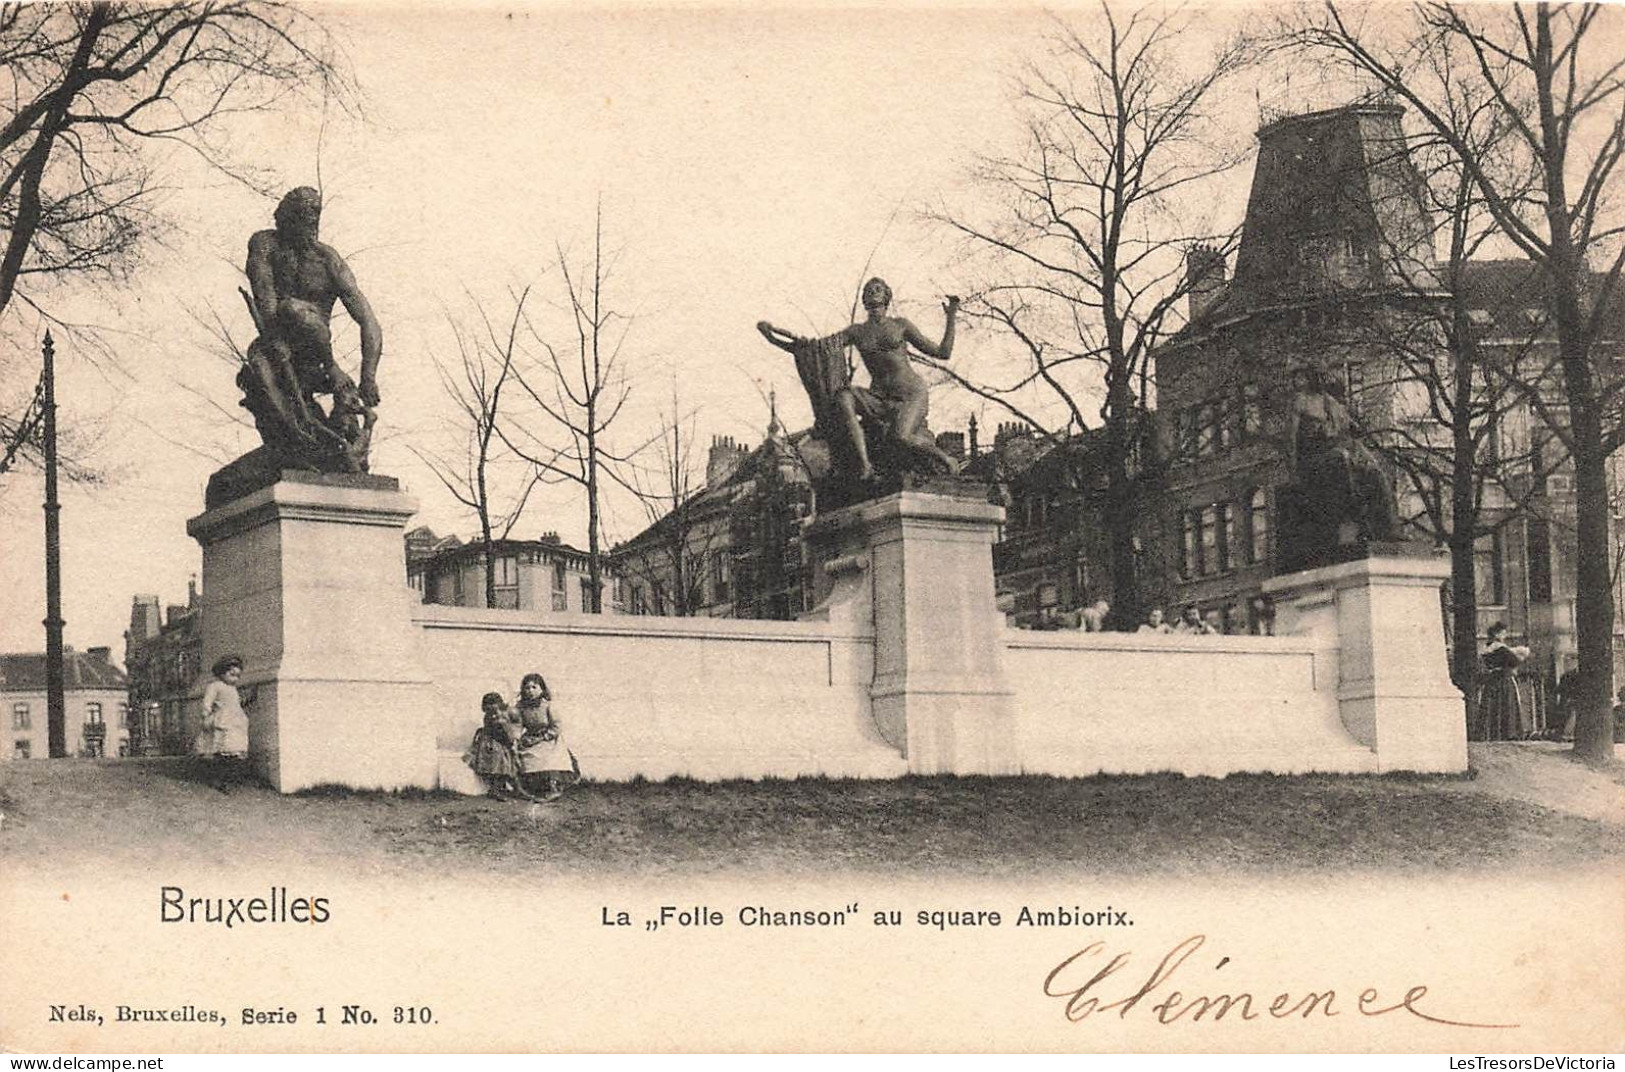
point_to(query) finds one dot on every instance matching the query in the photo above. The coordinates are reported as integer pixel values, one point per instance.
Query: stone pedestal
(305, 581)
(939, 693)
(1377, 622)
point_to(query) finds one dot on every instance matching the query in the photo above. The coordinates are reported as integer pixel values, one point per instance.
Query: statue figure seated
(1339, 500)
(295, 282)
(880, 429)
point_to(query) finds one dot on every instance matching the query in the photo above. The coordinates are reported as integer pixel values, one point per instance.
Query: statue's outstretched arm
(777, 336)
(941, 351)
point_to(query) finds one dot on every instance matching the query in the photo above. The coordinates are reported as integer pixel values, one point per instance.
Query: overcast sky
(749, 166)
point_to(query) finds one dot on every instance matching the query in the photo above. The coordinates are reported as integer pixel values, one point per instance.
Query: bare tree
(1430, 397)
(485, 367)
(688, 534)
(93, 87)
(578, 390)
(1555, 78)
(1088, 247)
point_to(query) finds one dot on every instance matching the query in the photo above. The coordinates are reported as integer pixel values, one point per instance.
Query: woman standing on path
(1500, 713)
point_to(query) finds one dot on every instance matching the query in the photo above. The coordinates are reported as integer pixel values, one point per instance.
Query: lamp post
(55, 706)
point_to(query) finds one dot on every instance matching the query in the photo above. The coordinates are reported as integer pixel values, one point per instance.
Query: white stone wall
(703, 697)
(716, 698)
(1135, 703)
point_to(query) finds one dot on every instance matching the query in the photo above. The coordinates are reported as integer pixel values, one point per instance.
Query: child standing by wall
(223, 732)
(545, 763)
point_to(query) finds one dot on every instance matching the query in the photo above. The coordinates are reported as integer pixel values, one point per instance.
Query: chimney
(1009, 430)
(723, 461)
(174, 613)
(551, 539)
(1204, 279)
(952, 444)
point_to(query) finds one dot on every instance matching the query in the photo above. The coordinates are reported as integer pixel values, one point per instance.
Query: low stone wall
(1135, 703)
(715, 699)
(902, 668)
(702, 697)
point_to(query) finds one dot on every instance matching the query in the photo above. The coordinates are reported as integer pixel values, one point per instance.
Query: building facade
(95, 714)
(544, 575)
(733, 549)
(163, 658)
(1336, 270)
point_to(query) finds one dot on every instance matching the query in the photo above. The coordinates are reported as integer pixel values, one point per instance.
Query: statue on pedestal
(876, 434)
(295, 281)
(1339, 500)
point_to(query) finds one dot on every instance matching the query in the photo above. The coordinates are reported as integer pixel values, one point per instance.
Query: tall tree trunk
(594, 580)
(1594, 605)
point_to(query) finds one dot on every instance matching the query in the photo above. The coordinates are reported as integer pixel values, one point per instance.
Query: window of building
(1258, 520)
(22, 750)
(1252, 412)
(93, 714)
(1539, 537)
(1229, 536)
(1206, 430)
(1208, 541)
(1488, 572)
(1186, 421)
(561, 597)
(123, 715)
(21, 719)
(1187, 560)
(507, 571)
(638, 605)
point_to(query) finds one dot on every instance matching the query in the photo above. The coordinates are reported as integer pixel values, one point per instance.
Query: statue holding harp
(879, 432)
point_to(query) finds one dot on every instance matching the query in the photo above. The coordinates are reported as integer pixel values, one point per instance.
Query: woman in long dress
(546, 764)
(1500, 713)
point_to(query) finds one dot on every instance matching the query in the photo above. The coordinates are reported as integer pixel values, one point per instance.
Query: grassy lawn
(984, 827)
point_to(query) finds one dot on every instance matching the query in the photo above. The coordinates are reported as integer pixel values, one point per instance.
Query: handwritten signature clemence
(1087, 995)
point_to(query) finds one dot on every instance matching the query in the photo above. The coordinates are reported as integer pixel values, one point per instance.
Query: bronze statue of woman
(897, 398)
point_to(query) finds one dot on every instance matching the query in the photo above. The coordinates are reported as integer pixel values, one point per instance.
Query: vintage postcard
(801, 527)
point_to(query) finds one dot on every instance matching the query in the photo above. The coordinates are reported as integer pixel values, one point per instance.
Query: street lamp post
(55, 705)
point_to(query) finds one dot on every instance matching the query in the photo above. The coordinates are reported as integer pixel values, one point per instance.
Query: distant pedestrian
(1500, 713)
(1154, 623)
(546, 764)
(1093, 617)
(1191, 622)
(1567, 701)
(223, 730)
(1214, 621)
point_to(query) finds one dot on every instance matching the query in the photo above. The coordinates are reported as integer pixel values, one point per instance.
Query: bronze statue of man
(897, 398)
(295, 281)
(1339, 497)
